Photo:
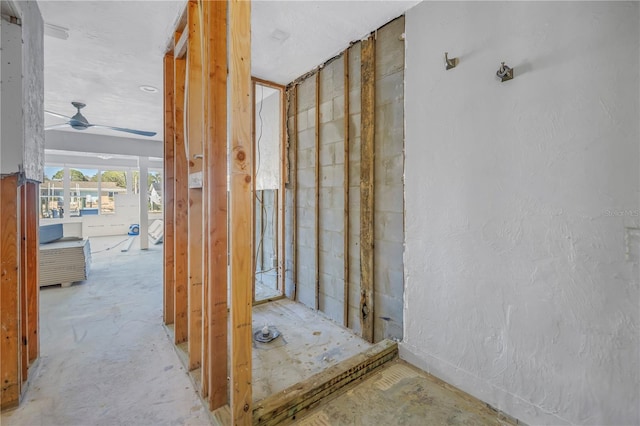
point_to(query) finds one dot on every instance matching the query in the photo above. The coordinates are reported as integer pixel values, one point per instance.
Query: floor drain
(266, 334)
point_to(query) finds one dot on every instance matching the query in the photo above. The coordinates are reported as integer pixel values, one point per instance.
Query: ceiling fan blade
(57, 126)
(122, 129)
(55, 114)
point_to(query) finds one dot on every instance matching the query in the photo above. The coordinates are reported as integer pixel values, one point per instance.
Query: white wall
(12, 134)
(268, 138)
(33, 89)
(22, 92)
(521, 262)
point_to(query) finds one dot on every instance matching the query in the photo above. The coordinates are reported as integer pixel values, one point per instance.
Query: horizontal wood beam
(287, 403)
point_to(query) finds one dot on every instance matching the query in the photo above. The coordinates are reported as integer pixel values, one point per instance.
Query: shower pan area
(283, 219)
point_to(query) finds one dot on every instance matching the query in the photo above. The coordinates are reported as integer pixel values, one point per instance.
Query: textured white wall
(22, 92)
(12, 134)
(33, 90)
(522, 280)
(268, 138)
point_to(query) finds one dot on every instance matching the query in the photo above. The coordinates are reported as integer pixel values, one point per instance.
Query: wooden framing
(169, 200)
(10, 332)
(33, 275)
(204, 354)
(280, 198)
(241, 194)
(181, 200)
(317, 188)
(366, 187)
(216, 173)
(180, 49)
(294, 220)
(282, 194)
(254, 258)
(345, 58)
(287, 404)
(24, 251)
(194, 160)
(29, 285)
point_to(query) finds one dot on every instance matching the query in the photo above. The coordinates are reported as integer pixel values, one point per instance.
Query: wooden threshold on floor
(268, 300)
(285, 405)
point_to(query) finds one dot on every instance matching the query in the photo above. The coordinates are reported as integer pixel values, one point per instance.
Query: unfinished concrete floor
(400, 394)
(309, 344)
(105, 358)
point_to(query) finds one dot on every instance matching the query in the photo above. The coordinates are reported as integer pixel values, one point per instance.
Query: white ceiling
(113, 47)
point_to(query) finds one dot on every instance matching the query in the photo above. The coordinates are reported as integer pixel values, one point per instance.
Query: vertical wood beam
(345, 58)
(281, 197)
(194, 160)
(241, 214)
(10, 380)
(256, 228)
(33, 275)
(24, 317)
(295, 192)
(181, 227)
(216, 164)
(367, 69)
(317, 188)
(168, 191)
(204, 346)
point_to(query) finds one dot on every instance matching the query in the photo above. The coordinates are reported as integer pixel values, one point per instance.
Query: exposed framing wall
(196, 262)
(21, 167)
(19, 252)
(341, 187)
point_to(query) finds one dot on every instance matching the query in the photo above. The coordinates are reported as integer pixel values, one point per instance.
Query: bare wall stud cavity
(504, 73)
(450, 63)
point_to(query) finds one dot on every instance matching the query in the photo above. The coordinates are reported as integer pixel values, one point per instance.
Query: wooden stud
(181, 316)
(33, 276)
(24, 345)
(367, 138)
(345, 319)
(284, 405)
(194, 160)
(10, 369)
(294, 166)
(169, 196)
(282, 194)
(257, 227)
(216, 163)
(180, 49)
(317, 188)
(204, 296)
(242, 217)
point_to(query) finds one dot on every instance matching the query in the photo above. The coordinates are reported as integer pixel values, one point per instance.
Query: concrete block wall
(306, 195)
(289, 283)
(331, 288)
(388, 183)
(389, 186)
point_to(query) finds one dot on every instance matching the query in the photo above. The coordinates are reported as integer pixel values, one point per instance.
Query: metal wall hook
(451, 63)
(504, 73)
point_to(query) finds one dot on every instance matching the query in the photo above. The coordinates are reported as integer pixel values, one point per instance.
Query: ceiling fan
(78, 122)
